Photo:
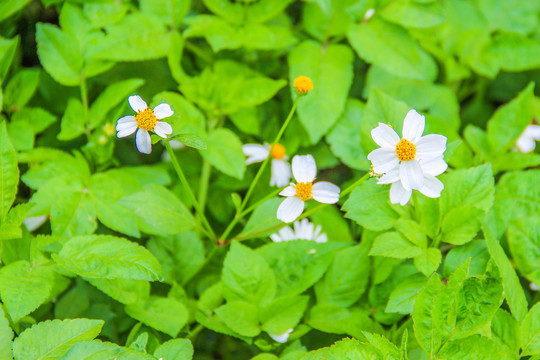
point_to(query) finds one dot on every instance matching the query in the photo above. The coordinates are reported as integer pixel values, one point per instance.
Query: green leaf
(345, 349)
(52, 339)
(233, 12)
(413, 15)
(331, 71)
(59, 54)
(21, 136)
(169, 11)
(259, 220)
(95, 349)
(402, 298)
(476, 250)
(191, 140)
(264, 10)
(369, 206)
(241, 317)
(513, 52)
(125, 291)
(159, 210)
(9, 172)
(175, 349)
(73, 215)
(412, 231)
(225, 153)
(164, 314)
(530, 332)
(393, 49)
(513, 292)
(509, 121)
(74, 120)
(246, 276)
(508, 15)
(424, 327)
(283, 313)
(36, 119)
(524, 241)
(393, 244)
(110, 98)
(8, 9)
(474, 347)
(6, 336)
(428, 261)
(21, 88)
(24, 287)
(389, 350)
(505, 331)
(461, 224)
(8, 47)
(108, 257)
(347, 278)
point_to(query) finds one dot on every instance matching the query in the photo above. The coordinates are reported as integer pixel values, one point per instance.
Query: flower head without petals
(302, 85)
(143, 121)
(304, 170)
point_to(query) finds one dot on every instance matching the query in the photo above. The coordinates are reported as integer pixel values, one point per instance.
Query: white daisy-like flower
(304, 170)
(527, 140)
(145, 120)
(406, 153)
(281, 170)
(281, 338)
(303, 230)
(432, 186)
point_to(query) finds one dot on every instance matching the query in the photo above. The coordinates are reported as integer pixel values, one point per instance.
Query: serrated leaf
(125, 291)
(20, 88)
(95, 349)
(530, 332)
(242, 317)
(108, 257)
(6, 336)
(524, 241)
(403, 296)
(164, 314)
(428, 261)
(175, 349)
(474, 347)
(50, 340)
(393, 244)
(73, 215)
(330, 69)
(283, 313)
(9, 172)
(24, 287)
(461, 224)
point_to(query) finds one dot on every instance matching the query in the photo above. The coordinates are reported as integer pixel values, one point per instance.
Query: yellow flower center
(304, 191)
(405, 150)
(303, 84)
(146, 119)
(278, 152)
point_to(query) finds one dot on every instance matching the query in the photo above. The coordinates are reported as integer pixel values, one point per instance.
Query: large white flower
(145, 120)
(281, 170)
(526, 141)
(407, 152)
(303, 230)
(432, 186)
(304, 170)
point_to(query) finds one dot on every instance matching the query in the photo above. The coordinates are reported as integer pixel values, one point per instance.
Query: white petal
(281, 173)
(123, 121)
(532, 131)
(163, 129)
(285, 234)
(143, 141)
(383, 160)
(34, 222)
(432, 187)
(398, 194)
(137, 103)
(126, 131)
(385, 136)
(304, 168)
(290, 209)
(435, 166)
(525, 144)
(321, 238)
(390, 177)
(533, 287)
(325, 192)
(288, 191)
(411, 175)
(162, 111)
(413, 125)
(281, 338)
(430, 146)
(255, 153)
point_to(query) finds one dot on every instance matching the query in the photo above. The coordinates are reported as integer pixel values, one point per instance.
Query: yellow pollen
(303, 191)
(405, 150)
(303, 84)
(278, 152)
(146, 119)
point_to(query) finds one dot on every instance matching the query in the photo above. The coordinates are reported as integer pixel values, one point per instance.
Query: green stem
(238, 216)
(254, 206)
(186, 186)
(203, 183)
(304, 215)
(84, 100)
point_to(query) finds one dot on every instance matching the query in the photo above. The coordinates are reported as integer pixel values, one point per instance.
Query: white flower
(304, 170)
(406, 154)
(145, 120)
(303, 230)
(34, 222)
(526, 141)
(281, 338)
(281, 170)
(533, 287)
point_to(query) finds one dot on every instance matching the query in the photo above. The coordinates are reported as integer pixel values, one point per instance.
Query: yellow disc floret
(146, 119)
(278, 152)
(303, 84)
(405, 150)
(304, 191)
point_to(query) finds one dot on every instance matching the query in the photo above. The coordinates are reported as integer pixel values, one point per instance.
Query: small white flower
(407, 153)
(526, 141)
(145, 120)
(304, 170)
(303, 230)
(34, 222)
(281, 338)
(281, 170)
(533, 287)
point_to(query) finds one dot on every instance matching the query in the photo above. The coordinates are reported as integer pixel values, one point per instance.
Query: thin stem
(304, 215)
(203, 183)
(84, 101)
(254, 206)
(185, 184)
(238, 215)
